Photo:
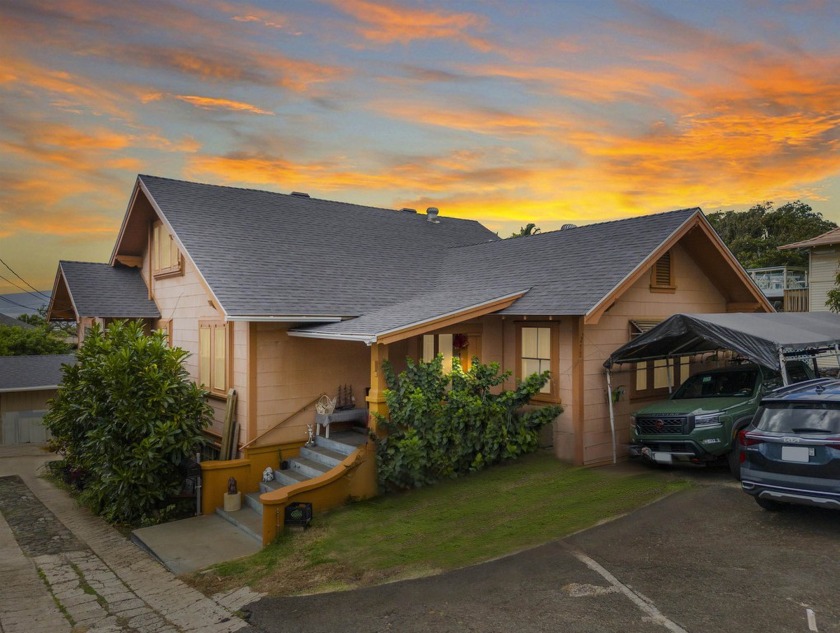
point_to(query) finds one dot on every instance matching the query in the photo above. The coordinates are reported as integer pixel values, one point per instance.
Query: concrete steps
(312, 462)
(246, 519)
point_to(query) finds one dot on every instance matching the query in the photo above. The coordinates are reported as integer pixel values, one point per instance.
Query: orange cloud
(212, 103)
(481, 120)
(387, 22)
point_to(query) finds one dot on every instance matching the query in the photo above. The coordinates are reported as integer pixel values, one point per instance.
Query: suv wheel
(769, 504)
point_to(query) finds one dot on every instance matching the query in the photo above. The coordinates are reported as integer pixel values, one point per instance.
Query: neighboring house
(9, 321)
(26, 384)
(285, 297)
(823, 261)
(785, 286)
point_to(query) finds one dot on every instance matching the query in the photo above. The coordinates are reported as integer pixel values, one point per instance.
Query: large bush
(19, 341)
(126, 418)
(443, 425)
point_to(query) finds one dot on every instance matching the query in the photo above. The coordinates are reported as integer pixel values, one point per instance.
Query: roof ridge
(632, 217)
(290, 195)
(584, 227)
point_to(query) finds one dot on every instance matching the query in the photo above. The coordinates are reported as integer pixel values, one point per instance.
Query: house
(785, 286)
(285, 297)
(10, 321)
(26, 385)
(823, 262)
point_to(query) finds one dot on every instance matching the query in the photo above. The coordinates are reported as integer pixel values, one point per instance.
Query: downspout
(612, 412)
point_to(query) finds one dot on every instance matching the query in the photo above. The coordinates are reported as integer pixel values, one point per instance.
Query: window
(212, 356)
(536, 351)
(165, 326)
(662, 274)
(440, 344)
(166, 258)
(652, 377)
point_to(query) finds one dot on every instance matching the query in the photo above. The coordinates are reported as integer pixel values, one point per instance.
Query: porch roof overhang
(414, 317)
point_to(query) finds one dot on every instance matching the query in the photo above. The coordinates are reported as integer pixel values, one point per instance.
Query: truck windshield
(718, 385)
(800, 417)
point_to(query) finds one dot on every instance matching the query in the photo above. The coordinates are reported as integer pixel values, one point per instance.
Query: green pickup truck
(700, 421)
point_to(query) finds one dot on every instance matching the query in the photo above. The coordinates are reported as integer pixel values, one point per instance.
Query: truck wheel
(733, 457)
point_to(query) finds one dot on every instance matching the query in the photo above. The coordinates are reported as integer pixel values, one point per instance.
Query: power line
(15, 303)
(23, 280)
(7, 280)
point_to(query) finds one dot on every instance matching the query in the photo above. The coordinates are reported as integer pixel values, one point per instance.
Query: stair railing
(284, 420)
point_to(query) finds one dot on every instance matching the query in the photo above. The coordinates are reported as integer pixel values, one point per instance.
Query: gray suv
(791, 452)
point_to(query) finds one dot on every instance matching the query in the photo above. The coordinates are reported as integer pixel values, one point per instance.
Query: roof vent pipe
(432, 214)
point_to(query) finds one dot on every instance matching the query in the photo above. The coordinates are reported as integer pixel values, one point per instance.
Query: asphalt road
(707, 559)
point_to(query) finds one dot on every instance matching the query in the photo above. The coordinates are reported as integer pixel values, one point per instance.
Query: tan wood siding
(823, 270)
(185, 301)
(694, 293)
(292, 371)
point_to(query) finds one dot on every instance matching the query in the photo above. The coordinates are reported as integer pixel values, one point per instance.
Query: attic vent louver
(300, 194)
(407, 210)
(566, 227)
(431, 215)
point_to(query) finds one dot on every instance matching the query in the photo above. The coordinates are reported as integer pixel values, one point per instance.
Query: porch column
(376, 397)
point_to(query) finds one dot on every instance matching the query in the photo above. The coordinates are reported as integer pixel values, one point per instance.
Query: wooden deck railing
(796, 300)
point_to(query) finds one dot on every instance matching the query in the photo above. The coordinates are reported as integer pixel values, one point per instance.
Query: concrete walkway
(66, 570)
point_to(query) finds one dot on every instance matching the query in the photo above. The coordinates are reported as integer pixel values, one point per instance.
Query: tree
(127, 418)
(66, 328)
(18, 341)
(528, 229)
(754, 236)
(833, 296)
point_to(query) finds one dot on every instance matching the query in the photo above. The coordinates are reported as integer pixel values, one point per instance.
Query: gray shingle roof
(564, 273)
(412, 312)
(108, 291)
(265, 253)
(19, 373)
(569, 272)
(13, 322)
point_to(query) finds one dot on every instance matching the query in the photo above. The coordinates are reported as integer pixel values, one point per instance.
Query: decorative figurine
(268, 474)
(232, 486)
(311, 440)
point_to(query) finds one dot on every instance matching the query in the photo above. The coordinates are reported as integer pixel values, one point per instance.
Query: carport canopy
(764, 338)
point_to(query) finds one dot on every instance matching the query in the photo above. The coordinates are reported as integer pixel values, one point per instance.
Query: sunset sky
(507, 112)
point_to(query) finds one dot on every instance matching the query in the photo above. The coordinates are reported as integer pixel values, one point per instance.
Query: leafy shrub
(17, 341)
(443, 426)
(128, 417)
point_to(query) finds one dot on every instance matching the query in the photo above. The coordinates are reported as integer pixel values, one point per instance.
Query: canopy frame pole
(612, 413)
(783, 367)
(669, 374)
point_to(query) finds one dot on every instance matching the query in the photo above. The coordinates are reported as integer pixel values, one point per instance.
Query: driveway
(706, 559)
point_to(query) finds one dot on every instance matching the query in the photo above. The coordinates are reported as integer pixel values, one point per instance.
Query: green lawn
(460, 522)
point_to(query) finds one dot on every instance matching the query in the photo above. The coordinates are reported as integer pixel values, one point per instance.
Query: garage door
(24, 427)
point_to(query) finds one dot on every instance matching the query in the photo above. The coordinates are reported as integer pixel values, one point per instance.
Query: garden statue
(231, 486)
(268, 474)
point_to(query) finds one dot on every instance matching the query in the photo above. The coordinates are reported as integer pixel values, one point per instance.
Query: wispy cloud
(214, 103)
(387, 22)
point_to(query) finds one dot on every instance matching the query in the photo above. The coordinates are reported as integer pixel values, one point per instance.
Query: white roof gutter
(15, 389)
(367, 339)
(286, 319)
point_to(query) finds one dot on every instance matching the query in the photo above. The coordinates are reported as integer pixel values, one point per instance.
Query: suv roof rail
(805, 385)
